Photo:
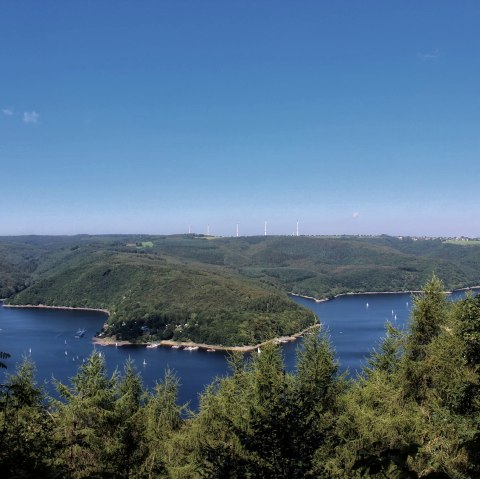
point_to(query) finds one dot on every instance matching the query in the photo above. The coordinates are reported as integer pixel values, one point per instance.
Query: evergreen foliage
(429, 315)
(26, 427)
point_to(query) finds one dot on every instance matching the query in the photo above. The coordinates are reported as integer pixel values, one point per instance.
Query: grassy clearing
(463, 242)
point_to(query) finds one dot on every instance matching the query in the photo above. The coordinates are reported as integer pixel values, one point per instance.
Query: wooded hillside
(229, 291)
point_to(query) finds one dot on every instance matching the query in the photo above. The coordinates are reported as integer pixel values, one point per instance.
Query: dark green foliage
(429, 315)
(27, 447)
(391, 463)
(163, 419)
(112, 427)
(180, 300)
(263, 422)
(88, 422)
(387, 358)
(469, 316)
(428, 318)
(315, 404)
(130, 450)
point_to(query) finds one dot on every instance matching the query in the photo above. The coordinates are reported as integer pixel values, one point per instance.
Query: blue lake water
(355, 323)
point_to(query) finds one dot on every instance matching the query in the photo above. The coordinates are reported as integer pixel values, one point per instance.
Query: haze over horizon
(128, 117)
(233, 235)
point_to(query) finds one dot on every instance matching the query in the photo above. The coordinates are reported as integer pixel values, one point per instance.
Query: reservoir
(355, 324)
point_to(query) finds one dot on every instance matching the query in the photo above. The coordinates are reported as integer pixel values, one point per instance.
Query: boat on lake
(191, 348)
(152, 345)
(80, 333)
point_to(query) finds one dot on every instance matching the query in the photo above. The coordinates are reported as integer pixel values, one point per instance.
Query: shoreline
(44, 306)
(351, 293)
(109, 341)
(310, 297)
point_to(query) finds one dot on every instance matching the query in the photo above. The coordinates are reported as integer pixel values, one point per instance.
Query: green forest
(413, 413)
(220, 291)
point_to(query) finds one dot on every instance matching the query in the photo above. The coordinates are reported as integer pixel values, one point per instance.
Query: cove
(355, 324)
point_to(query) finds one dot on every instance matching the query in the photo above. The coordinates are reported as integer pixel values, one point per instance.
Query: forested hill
(229, 291)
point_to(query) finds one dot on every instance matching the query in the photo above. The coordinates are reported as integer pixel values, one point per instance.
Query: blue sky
(353, 117)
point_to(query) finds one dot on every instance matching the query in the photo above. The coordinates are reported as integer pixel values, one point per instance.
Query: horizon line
(371, 235)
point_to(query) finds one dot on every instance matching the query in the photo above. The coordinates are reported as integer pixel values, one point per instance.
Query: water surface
(355, 323)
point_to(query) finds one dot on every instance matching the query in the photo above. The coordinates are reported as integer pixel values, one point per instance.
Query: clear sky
(147, 116)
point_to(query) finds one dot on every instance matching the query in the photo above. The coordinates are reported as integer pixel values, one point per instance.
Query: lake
(355, 323)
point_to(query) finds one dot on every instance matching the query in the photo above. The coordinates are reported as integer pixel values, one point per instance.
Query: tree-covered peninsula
(223, 291)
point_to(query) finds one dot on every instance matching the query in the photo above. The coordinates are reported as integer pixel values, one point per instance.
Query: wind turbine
(265, 234)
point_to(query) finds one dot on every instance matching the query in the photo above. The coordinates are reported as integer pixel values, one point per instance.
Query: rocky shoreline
(108, 341)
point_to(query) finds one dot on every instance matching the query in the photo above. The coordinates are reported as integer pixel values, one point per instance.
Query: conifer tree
(243, 428)
(162, 419)
(27, 448)
(315, 401)
(467, 313)
(428, 318)
(87, 422)
(262, 422)
(429, 315)
(387, 358)
(130, 422)
(270, 415)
